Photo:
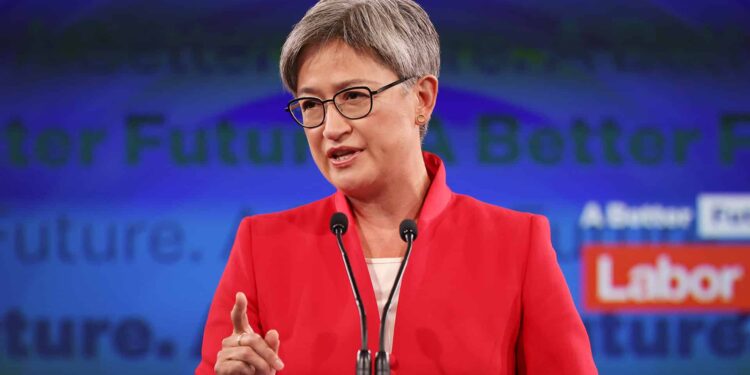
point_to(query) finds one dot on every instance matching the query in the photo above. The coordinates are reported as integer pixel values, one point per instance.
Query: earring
(421, 119)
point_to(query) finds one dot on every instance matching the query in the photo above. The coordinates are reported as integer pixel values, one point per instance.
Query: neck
(395, 201)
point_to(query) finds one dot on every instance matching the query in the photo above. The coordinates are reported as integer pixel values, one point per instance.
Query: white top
(382, 274)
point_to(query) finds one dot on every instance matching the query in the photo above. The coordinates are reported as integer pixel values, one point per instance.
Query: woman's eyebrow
(353, 82)
(339, 86)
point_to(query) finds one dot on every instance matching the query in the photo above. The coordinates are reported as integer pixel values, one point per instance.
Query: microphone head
(408, 227)
(339, 223)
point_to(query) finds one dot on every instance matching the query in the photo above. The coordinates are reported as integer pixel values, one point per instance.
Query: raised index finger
(239, 315)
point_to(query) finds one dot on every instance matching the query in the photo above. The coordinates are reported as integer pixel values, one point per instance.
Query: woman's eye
(309, 104)
(353, 95)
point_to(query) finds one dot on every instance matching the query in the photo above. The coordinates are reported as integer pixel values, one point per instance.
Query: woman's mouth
(342, 158)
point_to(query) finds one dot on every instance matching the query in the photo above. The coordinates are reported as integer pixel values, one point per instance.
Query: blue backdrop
(134, 135)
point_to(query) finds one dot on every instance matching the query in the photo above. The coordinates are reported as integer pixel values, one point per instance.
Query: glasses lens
(308, 112)
(354, 103)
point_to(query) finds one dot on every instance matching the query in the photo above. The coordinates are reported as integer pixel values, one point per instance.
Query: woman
(482, 292)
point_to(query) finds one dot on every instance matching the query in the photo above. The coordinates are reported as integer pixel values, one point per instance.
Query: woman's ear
(426, 90)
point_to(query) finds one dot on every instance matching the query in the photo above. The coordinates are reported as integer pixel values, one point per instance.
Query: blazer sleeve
(238, 276)
(552, 338)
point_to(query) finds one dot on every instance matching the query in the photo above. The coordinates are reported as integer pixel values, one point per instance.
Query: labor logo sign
(688, 277)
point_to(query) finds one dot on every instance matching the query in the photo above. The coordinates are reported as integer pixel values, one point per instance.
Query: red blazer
(482, 292)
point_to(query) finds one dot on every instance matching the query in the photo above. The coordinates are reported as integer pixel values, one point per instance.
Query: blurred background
(134, 135)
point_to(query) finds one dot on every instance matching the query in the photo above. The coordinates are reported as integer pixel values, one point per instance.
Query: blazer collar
(437, 198)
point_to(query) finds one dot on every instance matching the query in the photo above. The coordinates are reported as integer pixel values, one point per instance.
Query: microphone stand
(408, 229)
(364, 360)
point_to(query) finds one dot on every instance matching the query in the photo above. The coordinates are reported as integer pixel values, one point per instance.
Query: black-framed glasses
(353, 103)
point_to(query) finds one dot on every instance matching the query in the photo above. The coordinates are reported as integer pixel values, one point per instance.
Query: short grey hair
(398, 33)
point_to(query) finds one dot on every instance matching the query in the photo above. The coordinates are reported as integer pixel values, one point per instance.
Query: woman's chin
(351, 184)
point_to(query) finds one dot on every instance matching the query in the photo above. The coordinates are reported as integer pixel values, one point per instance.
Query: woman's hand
(246, 352)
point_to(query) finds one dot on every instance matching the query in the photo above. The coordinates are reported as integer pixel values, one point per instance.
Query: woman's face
(359, 156)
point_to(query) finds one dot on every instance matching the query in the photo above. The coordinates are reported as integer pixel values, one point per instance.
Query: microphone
(338, 225)
(408, 231)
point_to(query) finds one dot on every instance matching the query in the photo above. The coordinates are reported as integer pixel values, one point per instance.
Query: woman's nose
(335, 125)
